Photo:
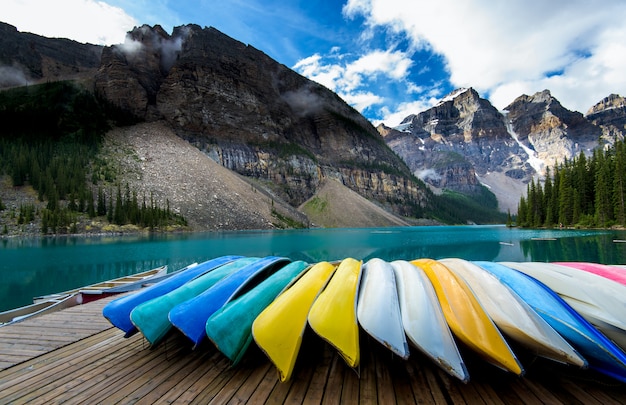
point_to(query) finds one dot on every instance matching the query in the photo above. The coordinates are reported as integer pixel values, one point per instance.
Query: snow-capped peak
(451, 96)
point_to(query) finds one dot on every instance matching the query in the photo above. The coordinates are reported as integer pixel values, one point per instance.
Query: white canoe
(378, 309)
(423, 319)
(513, 316)
(599, 300)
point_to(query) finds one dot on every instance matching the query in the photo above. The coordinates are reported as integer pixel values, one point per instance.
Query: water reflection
(597, 247)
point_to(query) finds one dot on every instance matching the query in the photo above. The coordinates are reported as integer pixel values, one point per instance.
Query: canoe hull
(378, 309)
(279, 328)
(333, 314)
(423, 319)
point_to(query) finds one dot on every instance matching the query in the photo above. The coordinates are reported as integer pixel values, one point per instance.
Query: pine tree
(603, 203)
(619, 184)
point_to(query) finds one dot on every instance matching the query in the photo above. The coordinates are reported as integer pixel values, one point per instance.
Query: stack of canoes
(572, 313)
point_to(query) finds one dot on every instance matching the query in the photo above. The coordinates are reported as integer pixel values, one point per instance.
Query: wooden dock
(75, 356)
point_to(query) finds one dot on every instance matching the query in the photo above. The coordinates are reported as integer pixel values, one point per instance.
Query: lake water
(32, 267)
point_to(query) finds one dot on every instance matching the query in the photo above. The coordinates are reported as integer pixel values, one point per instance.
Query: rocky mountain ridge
(293, 137)
(463, 142)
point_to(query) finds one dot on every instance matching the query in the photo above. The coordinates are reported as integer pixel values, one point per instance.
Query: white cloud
(575, 48)
(87, 21)
(362, 100)
(350, 78)
(401, 111)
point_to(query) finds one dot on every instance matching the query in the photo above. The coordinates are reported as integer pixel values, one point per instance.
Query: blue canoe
(602, 354)
(118, 311)
(151, 317)
(230, 328)
(190, 317)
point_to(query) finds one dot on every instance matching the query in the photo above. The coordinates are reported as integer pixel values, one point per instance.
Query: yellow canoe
(333, 314)
(278, 330)
(467, 318)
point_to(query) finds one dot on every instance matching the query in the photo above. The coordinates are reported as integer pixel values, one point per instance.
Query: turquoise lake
(32, 267)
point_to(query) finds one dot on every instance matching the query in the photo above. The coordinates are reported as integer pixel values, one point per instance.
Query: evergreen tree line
(51, 136)
(583, 191)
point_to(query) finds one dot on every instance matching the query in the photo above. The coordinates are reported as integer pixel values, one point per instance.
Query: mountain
(464, 143)
(610, 115)
(253, 115)
(285, 136)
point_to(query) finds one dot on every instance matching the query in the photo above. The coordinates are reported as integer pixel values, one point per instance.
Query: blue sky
(387, 58)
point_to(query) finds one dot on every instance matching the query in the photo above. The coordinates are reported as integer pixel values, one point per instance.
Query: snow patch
(404, 127)
(533, 160)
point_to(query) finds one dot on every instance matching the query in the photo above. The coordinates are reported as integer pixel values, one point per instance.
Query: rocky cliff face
(463, 141)
(252, 114)
(610, 115)
(27, 58)
(452, 143)
(552, 131)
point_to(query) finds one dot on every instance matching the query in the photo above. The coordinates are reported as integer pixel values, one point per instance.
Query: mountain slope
(336, 206)
(157, 163)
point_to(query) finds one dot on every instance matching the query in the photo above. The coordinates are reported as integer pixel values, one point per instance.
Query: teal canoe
(151, 317)
(230, 328)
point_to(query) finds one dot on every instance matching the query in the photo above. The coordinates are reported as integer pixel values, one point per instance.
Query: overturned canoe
(191, 316)
(599, 300)
(614, 273)
(118, 311)
(378, 309)
(513, 316)
(467, 318)
(602, 354)
(151, 317)
(230, 327)
(333, 314)
(279, 328)
(423, 319)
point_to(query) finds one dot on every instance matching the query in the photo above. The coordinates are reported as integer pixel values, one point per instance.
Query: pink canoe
(606, 271)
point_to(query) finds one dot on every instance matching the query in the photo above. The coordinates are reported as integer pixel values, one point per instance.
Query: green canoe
(151, 317)
(230, 328)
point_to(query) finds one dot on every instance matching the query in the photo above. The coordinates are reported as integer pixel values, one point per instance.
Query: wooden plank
(215, 385)
(191, 390)
(384, 385)
(177, 386)
(300, 386)
(61, 379)
(33, 374)
(247, 388)
(117, 377)
(158, 381)
(315, 391)
(263, 391)
(350, 389)
(332, 393)
(367, 388)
